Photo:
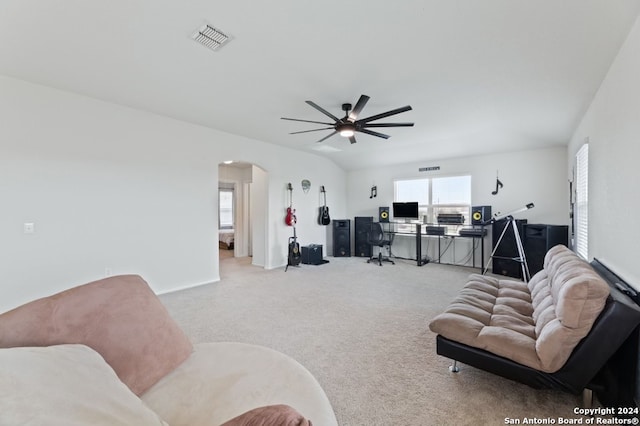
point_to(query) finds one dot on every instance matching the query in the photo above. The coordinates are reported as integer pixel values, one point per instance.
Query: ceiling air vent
(210, 37)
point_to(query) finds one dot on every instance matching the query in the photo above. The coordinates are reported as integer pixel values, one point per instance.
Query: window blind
(582, 202)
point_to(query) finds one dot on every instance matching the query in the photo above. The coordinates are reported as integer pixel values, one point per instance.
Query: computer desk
(419, 231)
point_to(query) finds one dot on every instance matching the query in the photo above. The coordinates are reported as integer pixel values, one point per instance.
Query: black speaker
(383, 214)
(341, 238)
(480, 214)
(312, 254)
(538, 239)
(361, 231)
(507, 250)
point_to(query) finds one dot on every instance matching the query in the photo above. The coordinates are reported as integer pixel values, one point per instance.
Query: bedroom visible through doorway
(226, 202)
(242, 201)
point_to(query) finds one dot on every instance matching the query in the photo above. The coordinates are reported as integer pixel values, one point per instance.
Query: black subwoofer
(341, 237)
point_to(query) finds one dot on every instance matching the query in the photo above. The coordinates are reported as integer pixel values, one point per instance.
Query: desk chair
(377, 237)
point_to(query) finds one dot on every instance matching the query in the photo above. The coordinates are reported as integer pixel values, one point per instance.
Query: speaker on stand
(361, 236)
(341, 237)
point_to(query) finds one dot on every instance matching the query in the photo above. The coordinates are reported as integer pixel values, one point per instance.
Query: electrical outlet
(29, 228)
(107, 272)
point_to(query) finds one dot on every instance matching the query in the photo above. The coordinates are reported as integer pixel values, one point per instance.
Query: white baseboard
(187, 286)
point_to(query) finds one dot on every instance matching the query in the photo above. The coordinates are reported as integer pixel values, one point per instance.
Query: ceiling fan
(349, 124)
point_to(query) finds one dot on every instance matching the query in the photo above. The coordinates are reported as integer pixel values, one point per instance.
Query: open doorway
(226, 222)
(242, 207)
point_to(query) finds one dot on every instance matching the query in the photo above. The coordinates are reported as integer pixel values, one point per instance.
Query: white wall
(612, 126)
(114, 188)
(538, 176)
(259, 216)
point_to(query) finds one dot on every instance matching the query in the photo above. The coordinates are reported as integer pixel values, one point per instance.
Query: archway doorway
(242, 206)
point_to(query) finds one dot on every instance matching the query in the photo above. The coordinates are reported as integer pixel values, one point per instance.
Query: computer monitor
(406, 210)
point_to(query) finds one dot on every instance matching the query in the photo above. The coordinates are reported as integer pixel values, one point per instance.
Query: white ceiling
(481, 76)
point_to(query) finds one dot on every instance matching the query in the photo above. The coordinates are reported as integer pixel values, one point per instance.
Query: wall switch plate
(29, 228)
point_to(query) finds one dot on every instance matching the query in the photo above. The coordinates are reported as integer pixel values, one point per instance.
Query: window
(225, 216)
(581, 208)
(437, 195)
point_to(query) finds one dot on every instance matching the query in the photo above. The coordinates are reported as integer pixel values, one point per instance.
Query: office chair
(376, 237)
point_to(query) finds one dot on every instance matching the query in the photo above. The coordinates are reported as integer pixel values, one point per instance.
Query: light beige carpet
(361, 329)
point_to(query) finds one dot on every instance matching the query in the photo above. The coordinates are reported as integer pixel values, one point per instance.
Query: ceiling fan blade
(388, 125)
(322, 110)
(352, 139)
(370, 132)
(353, 115)
(306, 121)
(385, 114)
(328, 136)
(312, 130)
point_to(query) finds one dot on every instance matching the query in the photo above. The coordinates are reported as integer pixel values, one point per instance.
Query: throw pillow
(120, 317)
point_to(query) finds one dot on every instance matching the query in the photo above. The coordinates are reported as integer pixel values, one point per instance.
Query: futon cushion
(537, 324)
(120, 317)
(66, 385)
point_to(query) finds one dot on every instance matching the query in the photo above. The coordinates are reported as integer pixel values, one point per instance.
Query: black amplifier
(435, 230)
(312, 254)
(472, 232)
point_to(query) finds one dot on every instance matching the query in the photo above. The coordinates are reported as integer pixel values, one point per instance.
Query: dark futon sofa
(557, 331)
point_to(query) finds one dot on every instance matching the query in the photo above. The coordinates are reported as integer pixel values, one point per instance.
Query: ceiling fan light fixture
(346, 130)
(350, 124)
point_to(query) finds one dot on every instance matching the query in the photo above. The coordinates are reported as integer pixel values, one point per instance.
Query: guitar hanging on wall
(323, 217)
(290, 218)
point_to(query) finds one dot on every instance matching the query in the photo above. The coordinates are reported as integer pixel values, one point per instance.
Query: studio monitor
(480, 214)
(383, 215)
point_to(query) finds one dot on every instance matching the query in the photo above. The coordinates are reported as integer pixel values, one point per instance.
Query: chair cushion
(120, 317)
(66, 385)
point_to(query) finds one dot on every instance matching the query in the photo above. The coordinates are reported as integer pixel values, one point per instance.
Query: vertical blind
(582, 205)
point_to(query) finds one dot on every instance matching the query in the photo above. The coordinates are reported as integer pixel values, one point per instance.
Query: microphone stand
(522, 259)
